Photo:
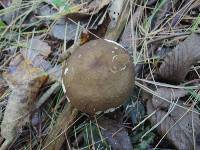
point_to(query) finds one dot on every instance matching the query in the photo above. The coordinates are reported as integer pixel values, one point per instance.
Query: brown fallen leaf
(36, 52)
(178, 62)
(115, 134)
(58, 30)
(68, 26)
(25, 82)
(38, 46)
(169, 94)
(176, 124)
(87, 17)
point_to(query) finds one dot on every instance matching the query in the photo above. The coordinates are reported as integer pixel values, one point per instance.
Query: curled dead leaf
(115, 134)
(177, 64)
(177, 124)
(25, 82)
(39, 47)
(36, 52)
(169, 94)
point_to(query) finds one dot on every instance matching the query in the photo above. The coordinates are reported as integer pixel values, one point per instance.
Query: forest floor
(162, 38)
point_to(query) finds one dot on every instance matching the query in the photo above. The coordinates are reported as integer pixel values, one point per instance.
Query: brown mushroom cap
(98, 76)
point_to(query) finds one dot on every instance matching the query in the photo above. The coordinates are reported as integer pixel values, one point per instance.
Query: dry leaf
(36, 52)
(169, 94)
(25, 82)
(39, 46)
(58, 30)
(115, 134)
(66, 29)
(178, 125)
(177, 64)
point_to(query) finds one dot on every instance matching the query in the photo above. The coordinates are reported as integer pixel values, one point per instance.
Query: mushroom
(98, 76)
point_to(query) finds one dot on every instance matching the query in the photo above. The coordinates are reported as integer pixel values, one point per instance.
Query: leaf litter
(25, 82)
(174, 123)
(144, 28)
(115, 134)
(178, 62)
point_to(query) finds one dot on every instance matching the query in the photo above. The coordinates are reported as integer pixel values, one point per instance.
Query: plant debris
(25, 82)
(115, 134)
(39, 39)
(176, 124)
(178, 62)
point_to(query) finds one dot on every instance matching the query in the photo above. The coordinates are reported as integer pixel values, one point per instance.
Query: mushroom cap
(98, 76)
